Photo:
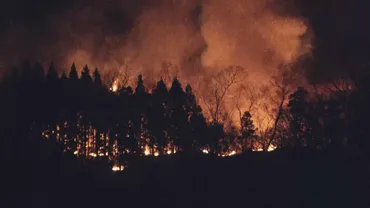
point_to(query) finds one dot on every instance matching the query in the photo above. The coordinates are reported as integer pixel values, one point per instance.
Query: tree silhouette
(198, 130)
(97, 78)
(158, 116)
(141, 101)
(52, 92)
(215, 135)
(64, 76)
(85, 75)
(87, 118)
(193, 111)
(281, 82)
(219, 86)
(178, 126)
(73, 75)
(298, 107)
(247, 132)
(72, 108)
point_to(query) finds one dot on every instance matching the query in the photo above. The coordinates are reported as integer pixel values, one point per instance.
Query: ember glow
(117, 168)
(114, 86)
(86, 147)
(269, 149)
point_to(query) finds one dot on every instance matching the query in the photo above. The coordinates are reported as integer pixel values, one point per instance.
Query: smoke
(194, 35)
(251, 34)
(198, 37)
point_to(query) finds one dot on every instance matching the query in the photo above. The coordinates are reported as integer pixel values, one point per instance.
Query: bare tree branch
(220, 84)
(281, 82)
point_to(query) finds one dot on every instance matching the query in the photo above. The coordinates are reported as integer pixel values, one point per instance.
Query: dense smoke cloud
(251, 34)
(194, 35)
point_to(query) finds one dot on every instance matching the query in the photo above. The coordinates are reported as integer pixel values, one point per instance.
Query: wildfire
(230, 153)
(146, 151)
(93, 154)
(88, 149)
(117, 168)
(114, 87)
(269, 149)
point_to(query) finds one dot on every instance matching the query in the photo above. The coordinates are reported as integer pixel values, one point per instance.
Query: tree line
(89, 119)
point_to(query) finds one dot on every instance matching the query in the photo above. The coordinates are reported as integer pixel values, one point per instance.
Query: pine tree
(179, 126)
(140, 88)
(158, 116)
(141, 101)
(97, 77)
(85, 75)
(63, 77)
(191, 102)
(73, 105)
(52, 92)
(73, 75)
(193, 110)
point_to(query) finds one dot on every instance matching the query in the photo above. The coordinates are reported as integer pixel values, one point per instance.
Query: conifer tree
(73, 75)
(178, 128)
(85, 75)
(158, 116)
(97, 77)
(247, 131)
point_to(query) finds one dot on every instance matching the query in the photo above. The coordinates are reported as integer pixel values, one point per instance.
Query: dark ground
(35, 176)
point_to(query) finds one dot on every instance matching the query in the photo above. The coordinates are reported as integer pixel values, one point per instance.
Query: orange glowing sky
(246, 33)
(199, 37)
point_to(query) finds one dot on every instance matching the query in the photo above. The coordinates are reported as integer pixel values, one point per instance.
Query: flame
(117, 168)
(228, 154)
(114, 87)
(93, 154)
(146, 151)
(205, 151)
(232, 153)
(271, 148)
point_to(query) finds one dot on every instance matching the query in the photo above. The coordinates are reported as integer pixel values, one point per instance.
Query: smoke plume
(192, 39)
(194, 35)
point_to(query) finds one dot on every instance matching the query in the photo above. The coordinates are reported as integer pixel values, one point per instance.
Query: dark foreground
(285, 178)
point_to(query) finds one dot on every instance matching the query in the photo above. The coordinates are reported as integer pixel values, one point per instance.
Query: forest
(84, 114)
(62, 118)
